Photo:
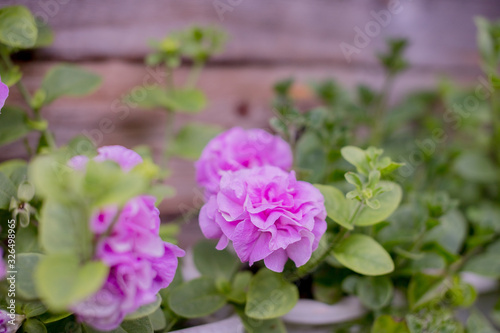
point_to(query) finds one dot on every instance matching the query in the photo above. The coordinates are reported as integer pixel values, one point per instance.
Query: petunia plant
(394, 206)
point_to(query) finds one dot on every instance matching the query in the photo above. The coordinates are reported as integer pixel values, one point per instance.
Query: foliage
(406, 225)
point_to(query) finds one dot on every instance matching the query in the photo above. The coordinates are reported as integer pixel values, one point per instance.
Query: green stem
(49, 138)
(379, 114)
(194, 74)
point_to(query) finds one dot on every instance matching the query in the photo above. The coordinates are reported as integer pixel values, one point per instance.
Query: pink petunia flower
(267, 214)
(128, 242)
(238, 149)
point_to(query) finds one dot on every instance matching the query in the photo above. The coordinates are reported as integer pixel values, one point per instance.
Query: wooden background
(269, 40)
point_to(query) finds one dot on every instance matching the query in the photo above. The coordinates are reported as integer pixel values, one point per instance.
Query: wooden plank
(229, 90)
(442, 32)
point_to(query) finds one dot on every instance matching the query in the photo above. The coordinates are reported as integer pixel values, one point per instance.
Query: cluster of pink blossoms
(255, 202)
(140, 262)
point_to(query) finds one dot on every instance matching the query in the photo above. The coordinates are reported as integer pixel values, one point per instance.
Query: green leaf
(106, 183)
(363, 255)
(214, 263)
(45, 35)
(158, 320)
(142, 325)
(338, 208)
(191, 139)
(270, 296)
(389, 202)
(196, 298)
(32, 325)
(252, 325)
(33, 309)
(485, 264)
(357, 157)
(61, 280)
(450, 233)
(145, 310)
(53, 178)
(7, 191)
(26, 264)
(476, 167)
(342, 210)
(375, 292)
(424, 289)
(64, 229)
(387, 324)
(478, 323)
(17, 27)
(10, 76)
(13, 124)
(239, 287)
(68, 80)
(186, 100)
(311, 157)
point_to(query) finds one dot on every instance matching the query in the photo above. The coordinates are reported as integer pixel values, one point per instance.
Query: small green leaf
(196, 298)
(61, 280)
(311, 157)
(33, 309)
(13, 124)
(142, 325)
(387, 324)
(252, 325)
(17, 27)
(450, 233)
(363, 255)
(478, 323)
(63, 228)
(375, 292)
(337, 206)
(389, 201)
(7, 191)
(68, 80)
(357, 157)
(32, 325)
(476, 167)
(158, 320)
(424, 289)
(26, 263)
(45, 35)
(188, 100)
(145, 310)
(270, 296)
(151, 97)
(10, 76)
(485, 264)
(191, 139)
(239, 287)
(214, 263)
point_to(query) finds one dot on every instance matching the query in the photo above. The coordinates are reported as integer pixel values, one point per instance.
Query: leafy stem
(49, 138)
(380, 110)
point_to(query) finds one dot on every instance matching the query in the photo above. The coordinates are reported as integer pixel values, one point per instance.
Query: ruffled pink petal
(276, 261)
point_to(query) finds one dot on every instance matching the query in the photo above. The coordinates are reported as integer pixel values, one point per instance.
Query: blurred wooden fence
(269, 40)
